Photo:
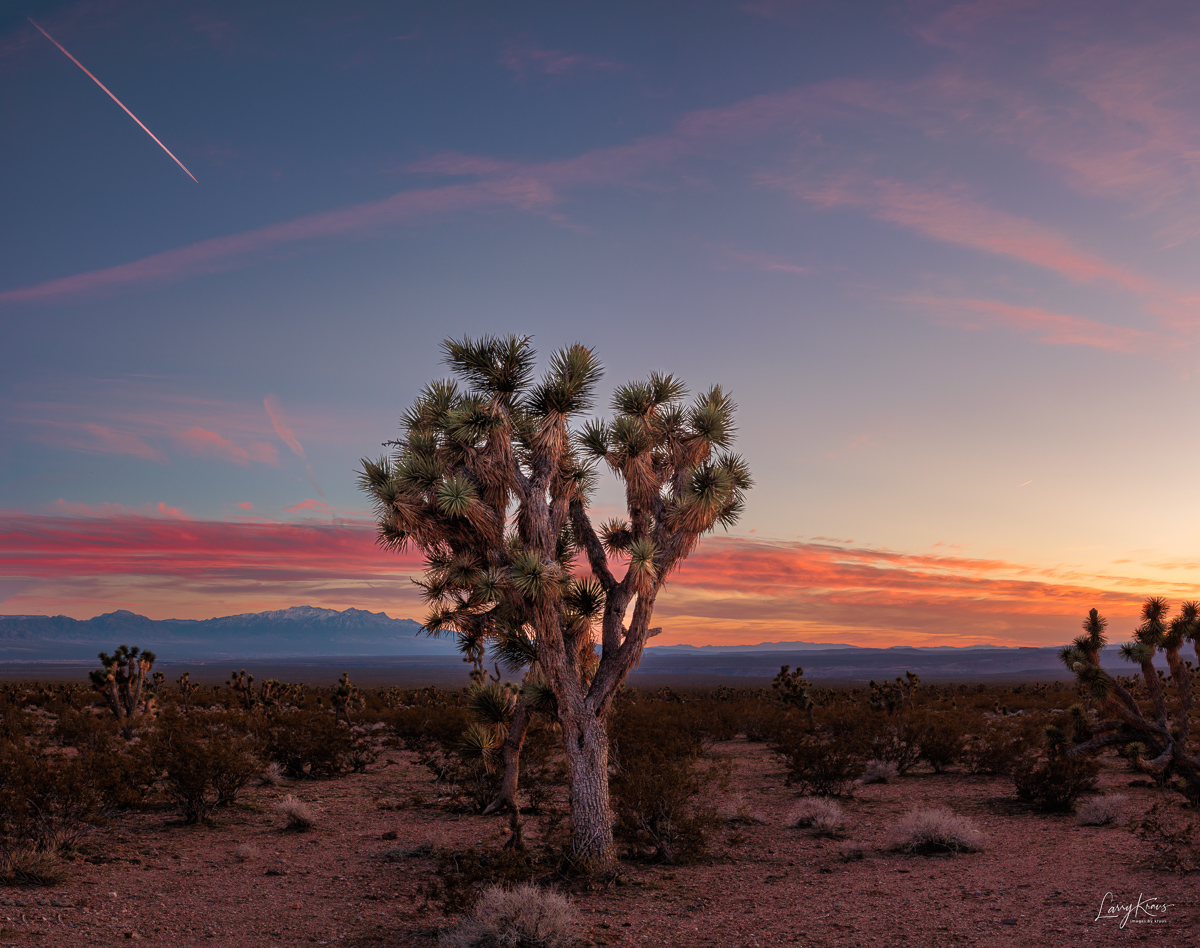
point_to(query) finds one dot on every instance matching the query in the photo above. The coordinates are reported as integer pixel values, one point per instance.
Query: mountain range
(313, 634)
(301, 631)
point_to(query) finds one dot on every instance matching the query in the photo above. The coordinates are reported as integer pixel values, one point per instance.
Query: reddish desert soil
(1039, 881)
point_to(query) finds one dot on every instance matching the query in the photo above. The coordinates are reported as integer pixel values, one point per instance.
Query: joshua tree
(1163, 744)
(122, 680)
(492, 484)
(345, 698)
(186, 690)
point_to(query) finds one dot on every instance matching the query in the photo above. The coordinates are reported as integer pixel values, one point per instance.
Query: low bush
(821, 764)
(461, 877)
(879, 771)
(924, 832)
(299, 815)
(823, 816)
(1102, 810)
(522, 917)
(658, 783)
(941, 740)
(1053, 785)
(313, 744)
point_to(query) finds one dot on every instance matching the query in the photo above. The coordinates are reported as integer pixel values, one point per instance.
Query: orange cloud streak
(730, 590)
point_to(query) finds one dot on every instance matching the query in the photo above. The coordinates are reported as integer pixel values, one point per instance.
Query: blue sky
(943, 254)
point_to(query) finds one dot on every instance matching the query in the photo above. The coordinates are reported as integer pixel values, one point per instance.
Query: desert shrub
(924, 832)
(941, 740)
(1175, 845)
(821, 764)
(763, 721)
(85, 730)
(997, 744)
(461, 877)
(879, 771)
(1053, 785)
(893, 739)
(237, 760)
(298, 814)
(204, 760)
(312, 744)
(823, 816)
(46, 801)
(522, 917)
(122, 774)
(658, 782)
(1102, 810)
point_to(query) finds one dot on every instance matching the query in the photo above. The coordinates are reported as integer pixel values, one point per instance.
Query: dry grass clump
(1102, 810)
(246, 852)
(272, 775)
(299, 814)
(738, 813)
(31, 865)
(823, 816)
(880, 771)
(522, 917)
(936, 831)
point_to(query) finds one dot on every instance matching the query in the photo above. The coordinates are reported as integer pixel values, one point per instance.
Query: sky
(943, 255)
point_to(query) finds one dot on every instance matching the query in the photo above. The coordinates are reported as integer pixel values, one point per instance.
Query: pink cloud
(309, 504)
(953, 216)
(108, 510)
(96, 439)
(246, 506)
(204, 443)
(729, 590)
(286, 435)
(1056, 329)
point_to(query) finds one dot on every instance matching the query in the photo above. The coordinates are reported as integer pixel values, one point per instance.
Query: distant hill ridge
(300, 631)
(359, 637)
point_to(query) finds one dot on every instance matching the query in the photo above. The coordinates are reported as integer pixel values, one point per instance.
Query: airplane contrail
(114, 98)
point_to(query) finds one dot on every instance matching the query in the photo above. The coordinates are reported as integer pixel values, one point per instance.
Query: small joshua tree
(345, 698)
(493, 484)
(1164, 749)
(122, 681)
(791, 690)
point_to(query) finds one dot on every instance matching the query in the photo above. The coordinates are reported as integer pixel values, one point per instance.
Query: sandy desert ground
(352, 881)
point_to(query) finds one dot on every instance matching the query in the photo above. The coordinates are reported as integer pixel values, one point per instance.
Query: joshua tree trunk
(514, 740)
(585, 739)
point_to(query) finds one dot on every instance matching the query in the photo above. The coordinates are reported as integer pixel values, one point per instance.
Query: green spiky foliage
(1155, 738)
(122, 679)
(491, 481)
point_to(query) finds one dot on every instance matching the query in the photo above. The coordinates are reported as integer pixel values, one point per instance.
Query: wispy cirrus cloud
(150, 418)
(201, 442)
(763, 262)
(288, 437)
(952, 215)
(525, 58)
(222, 253)
(1050, 328)
(731, 590)
(1110, 113)
(93, 438)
